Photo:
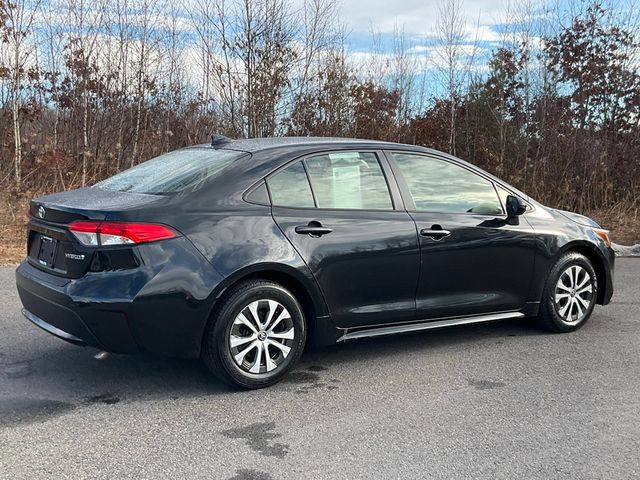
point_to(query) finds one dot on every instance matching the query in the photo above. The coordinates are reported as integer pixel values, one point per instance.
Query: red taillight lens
(85, 231)
(111, 232)
(119, 233)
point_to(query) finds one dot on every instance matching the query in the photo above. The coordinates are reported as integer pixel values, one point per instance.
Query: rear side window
(440, 186)
(290, 187)
(172, 172)
(349, 180)
(341, 180)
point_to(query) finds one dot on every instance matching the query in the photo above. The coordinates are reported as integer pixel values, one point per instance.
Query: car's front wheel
(570, 293)
(255, 336)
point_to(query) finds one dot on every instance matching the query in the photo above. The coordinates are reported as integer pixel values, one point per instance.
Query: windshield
(172, 172)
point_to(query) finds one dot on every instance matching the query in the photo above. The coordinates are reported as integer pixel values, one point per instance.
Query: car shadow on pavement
(60, 378)
(64, 372)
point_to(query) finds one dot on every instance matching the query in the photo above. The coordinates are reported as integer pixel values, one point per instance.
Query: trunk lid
(50, 245)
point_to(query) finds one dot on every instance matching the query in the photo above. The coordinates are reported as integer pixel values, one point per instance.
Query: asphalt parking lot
(504, 400)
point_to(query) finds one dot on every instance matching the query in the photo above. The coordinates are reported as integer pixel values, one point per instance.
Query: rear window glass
(290, 188)
(351, 180)
(172, 172)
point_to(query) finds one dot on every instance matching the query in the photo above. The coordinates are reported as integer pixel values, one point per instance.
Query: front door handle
(435, 232)
(313, 229)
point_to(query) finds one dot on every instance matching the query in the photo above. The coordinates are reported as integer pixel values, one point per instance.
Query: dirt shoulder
(13, 221)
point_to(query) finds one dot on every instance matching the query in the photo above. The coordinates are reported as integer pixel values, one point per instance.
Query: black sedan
(241, 252)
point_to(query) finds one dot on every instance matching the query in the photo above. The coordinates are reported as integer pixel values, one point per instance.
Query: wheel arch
(597, 260)
(303, 287)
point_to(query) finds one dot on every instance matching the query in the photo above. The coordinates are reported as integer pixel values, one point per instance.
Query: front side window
(441, 186)
(290, 188)
(348, 180)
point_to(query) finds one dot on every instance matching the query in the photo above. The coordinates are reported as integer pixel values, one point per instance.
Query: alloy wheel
(573, 294)
(261, 336)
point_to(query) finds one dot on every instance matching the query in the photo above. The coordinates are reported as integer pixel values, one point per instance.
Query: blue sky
(417, 18)
(486, 23)
(485, 20)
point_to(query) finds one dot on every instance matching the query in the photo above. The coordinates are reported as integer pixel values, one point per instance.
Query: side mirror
(515, 206)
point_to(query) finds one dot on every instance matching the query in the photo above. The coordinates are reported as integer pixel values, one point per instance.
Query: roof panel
(257, 144)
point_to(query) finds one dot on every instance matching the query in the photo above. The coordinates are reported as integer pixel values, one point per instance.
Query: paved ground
(494, 401)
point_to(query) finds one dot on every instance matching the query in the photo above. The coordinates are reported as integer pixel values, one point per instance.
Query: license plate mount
(47, 251)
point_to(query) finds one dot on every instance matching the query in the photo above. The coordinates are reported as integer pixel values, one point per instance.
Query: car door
(338, 211)
(474, 260)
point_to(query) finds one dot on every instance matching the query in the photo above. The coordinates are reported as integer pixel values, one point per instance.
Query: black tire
(217, 350)
(551, 311)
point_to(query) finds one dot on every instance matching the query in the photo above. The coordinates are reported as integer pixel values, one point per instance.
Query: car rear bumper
(48, 305)
(53, 330)
(161, 306)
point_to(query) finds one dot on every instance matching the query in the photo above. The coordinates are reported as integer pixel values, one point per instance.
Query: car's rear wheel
(570, 294)
(255, 336)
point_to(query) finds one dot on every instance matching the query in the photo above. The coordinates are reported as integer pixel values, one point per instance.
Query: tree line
(90, 87)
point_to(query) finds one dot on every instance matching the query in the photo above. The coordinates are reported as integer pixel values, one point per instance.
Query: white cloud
(418, 17)
(418, 49)
(482, 33)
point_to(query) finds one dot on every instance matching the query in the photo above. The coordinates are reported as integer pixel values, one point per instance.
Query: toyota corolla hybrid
(242, 252)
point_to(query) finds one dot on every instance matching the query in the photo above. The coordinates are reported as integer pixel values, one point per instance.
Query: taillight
(90, 232)
(85, 231)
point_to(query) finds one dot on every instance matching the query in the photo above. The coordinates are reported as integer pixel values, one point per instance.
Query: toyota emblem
(41, 211)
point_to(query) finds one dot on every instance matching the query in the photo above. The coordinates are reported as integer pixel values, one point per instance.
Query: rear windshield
(172, 172)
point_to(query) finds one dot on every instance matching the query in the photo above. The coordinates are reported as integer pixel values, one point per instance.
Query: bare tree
(84, 20)
(174, 78)
(264, 48)
(124, 38)
(450, 31)
(18, 16)
(404, 69)
(221, 75)
(54, 45)
(319, 31)
(147, 42)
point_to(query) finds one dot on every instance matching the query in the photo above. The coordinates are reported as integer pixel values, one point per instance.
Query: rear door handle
(314, 229)
(435, 233)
